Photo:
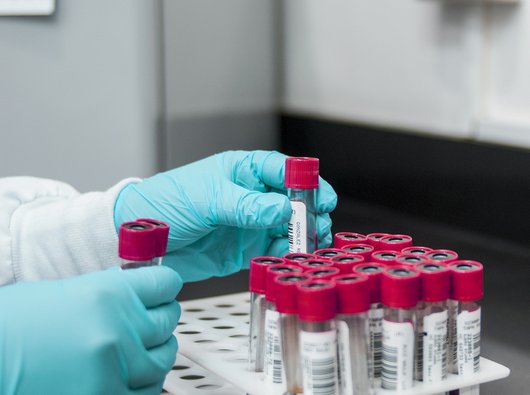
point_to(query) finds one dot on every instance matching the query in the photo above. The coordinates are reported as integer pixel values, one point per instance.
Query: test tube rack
(213, 350)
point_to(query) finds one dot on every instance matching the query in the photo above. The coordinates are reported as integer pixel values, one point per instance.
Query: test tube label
(468, 334)
(298, 228)
(398, 355)
(452, 307)
(343, 337)
(375, 325)
(319, 362)
(273, 352)
(435, 347)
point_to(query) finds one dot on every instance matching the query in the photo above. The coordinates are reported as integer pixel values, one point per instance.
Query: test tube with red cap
(411, 259)
(162, 233)
(137, 243)
(328, 253)
(362, 249)
(345, 263)
(387, 257)
(374, 239)
(400, 290)
(311, 264)
(273, 366)
(395, 242)
(301, 181)
(431, 321)
(442, 256)
(341, 239)
(287, 306)
(466, 291)
(295, 258)
(317, 307)
(326, 273)
(374, 272)
(416, 250)
(257, 285)
(353, 303)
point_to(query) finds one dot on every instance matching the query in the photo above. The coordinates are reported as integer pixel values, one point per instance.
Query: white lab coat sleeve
(49, 230)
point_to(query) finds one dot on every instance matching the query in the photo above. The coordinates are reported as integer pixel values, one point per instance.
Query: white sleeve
(49, 230)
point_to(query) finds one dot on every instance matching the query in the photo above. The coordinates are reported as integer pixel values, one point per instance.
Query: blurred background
(419, 111)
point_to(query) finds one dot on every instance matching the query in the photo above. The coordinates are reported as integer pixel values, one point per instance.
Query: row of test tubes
(342, 322)
(142, 242)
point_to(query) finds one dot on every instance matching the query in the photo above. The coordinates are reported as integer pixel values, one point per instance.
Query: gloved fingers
(164, 319)
(323, 225)
(326, 197)
(152, 367)
(256, 169)
(154, 285)
(278, 247)
(154, 389)
(326, 241)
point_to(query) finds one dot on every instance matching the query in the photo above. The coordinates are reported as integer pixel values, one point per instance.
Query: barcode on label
(398, 355)
(276, 361)
(323, 376)
(476, 352)
(319, 362)
(468, 335)
(273, 352)
(389, 367)
(376, 341)
(297, 228)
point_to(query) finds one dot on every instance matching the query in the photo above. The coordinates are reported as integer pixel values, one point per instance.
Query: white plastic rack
(213, 347)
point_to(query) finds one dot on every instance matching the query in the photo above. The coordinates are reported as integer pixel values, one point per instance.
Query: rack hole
(239, 314)
(208, 318)
(189, 332)
(180, 367)
(192, 377)
(208, 387)
(204, 341)
(224, 305)
(194, 310)
(223, 327)
(240, 336)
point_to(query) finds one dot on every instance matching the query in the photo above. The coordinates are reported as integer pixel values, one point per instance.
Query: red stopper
(435, 281)
(295, 258)
(416, 250)
(315, 264)
(385, 256)
(411, 259)
(328, 253)
(374, 272)
(326, 273)
(285, 286)
(345, 263)
(442, 256)
(374, 239)
(395, 242)
(467, 283)
(274, 271)
(364, 250)
(162, 234)
(353, 293)
(258, 272)
(137, 241)
(344, 238)
(400, 287)
(317, 300)
(301, 173)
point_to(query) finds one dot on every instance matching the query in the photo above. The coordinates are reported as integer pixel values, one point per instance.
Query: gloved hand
(108, 332)
(222, 210)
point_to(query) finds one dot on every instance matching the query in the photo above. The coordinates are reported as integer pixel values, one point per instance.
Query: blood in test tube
(416, 250)
(395, 242)
(287, 307)
(411, 259)
(363, 249)
(162, 235)
(295, 258)
(353, 295)
(137, 244)
(311, 264)
(400, 291)
(464, 319)
(385, 256)
(345, 263)
(257, 286)
(301, 181)
(374, 239)
(344, 238)
(273, 365)
(442, 256)
(317, 307)
(328, 253)
(326, 273)
(431, 323)
(374, 272)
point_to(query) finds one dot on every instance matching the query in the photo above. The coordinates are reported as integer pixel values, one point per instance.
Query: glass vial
(136, 244)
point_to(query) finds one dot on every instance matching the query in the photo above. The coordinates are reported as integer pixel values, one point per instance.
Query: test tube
(162, 234)
(301, 181)
(411, 259)
(395, 242)
(326, 273)
(385, 256)
(374, 239)
(362, 249)
(466, 291)
(400, 290)
(344, 238)
(136, 244)
(345, 263)
(416, 250)
(374, 271)
(317, 307)
(353, 295)
(431, 321)
(286, 304)
(295, 258)
(273, 365)
(257, 286)
(442, 256)
(328, 253)
(311, 264)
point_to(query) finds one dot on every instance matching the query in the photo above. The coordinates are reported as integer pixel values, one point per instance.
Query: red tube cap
(162, 234)
(385, 256)
(467, 283)
(364, 250)
(435, 281)
(374, 272)
(411, 259)
(395, 242)
(301, 173)
(328, 253)
(315, 264)
(326, 273)
(258, 272)
(344, 238)
(442, 256)
(345, 263)
(416, 250)
(296, 257)
(353, 293)
(274, 271)
(400, 287)
(317, 300)
(285, 285)
(374, 239)
(137, 241)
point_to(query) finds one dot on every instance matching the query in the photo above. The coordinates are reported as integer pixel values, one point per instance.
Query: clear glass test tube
(136, 244)
(162, 234)
(301, 181)
(400, 290)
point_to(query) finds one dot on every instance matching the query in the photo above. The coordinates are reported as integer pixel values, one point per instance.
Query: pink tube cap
(374, 239)
(362, 249)
(317, 300)
(345, 263)
(328, 253)
(326, 273)
(274, 271)
(353, 293)
(416, 250)
(315, 264)
(344, 238)
(295, 258)
(285, 286)
(411, 259)
(301, 173)
(435, 281)
(137, 241)
(442, 256)
(374, 272)
(467, 282)
(162, 234)
(258, 272)
(395, 242)
(387, 257)
(400, 287)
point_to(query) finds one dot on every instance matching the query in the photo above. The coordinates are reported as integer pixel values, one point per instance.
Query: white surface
(214, 334)
(27, 7)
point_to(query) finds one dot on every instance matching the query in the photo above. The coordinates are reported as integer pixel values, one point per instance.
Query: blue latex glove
(222, 210)
(102, 333)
